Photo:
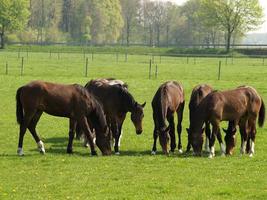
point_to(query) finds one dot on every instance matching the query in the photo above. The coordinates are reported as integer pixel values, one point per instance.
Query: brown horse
(117, 101)
(239, 106)
(71, 101)
(199, 92)
(247, 130)
(168, 99)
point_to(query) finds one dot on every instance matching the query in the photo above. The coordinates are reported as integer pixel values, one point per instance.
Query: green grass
(135, 174)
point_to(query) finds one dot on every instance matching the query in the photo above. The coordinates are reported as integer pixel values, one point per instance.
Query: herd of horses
(97, 112)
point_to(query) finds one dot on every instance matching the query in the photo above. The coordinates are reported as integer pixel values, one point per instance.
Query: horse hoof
(251, 155)
(223, 155)
(20, 152)
(117, 153)
(69, 151)
(93, 153)
(42, 151)
(153, 152)
(180, 151)
(211, 156)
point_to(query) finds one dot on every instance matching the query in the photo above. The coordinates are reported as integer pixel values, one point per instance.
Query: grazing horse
(240, 106)
(71, 101)
(168, 99)
(117, 101)
(199, 92)
(247, 128)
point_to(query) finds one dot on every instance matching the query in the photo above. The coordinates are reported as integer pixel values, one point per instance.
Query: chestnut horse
(71, 101)
(247, 131)
(117, 101)
(240, 106)
(168, 99)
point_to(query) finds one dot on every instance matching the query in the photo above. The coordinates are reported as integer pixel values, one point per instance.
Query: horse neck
(128, 102)
(98, 117)
(160, 111)
(198, 117)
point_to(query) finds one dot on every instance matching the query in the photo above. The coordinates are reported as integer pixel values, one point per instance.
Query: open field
(135, 174)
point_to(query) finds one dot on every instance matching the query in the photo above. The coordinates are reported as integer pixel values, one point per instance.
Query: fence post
(83, 54)
(219, 72)
(86, 67)
(92, 56)
(156, 71)
(6, 67)
(150, 62)
(22, 63)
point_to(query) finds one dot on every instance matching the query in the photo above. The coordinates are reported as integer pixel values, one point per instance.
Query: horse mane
(126, 96)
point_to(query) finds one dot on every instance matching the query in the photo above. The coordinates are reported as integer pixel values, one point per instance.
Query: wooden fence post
(219, 71)
(22, 66)
(86, 67)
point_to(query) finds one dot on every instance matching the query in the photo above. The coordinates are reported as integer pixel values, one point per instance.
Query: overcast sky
(262, 29)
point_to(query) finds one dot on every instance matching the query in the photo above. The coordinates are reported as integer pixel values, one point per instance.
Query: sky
(262, 28)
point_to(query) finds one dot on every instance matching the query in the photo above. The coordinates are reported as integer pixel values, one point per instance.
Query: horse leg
(154, 148)
(170, 119)
(86, 129)
(208, 133)
(72, 127)
(179, 126)
(252, 125)
(219, 138)
(244, 136)
(215, 128)
(32, 129)
(116, 135)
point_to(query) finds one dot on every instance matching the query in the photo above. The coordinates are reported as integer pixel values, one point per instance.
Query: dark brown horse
(168, 99)
(71, 101)
(239, 106)
(117, 101)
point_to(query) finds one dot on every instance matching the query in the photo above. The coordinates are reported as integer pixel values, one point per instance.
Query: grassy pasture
(135, 174)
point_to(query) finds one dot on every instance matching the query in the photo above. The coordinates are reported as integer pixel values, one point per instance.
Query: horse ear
(144, 104)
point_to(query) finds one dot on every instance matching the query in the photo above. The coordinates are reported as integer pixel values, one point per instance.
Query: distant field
(135, 174)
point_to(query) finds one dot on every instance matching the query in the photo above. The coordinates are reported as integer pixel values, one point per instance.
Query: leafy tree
(232, 15)
(13, 16)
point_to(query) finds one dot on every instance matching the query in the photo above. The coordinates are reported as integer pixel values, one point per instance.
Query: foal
(168, 99)
(71, 101)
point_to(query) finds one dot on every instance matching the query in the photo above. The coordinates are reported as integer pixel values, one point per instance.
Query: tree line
(128, 22)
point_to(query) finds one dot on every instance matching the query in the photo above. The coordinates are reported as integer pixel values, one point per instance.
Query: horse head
(137, 115)
(196, 140)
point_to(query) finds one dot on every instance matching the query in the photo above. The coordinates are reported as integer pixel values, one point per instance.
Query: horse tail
(261, 114)
(19, 110)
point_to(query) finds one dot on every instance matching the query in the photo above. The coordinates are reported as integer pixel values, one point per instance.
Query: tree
(13, 16)
(232, 15)
(130, 16)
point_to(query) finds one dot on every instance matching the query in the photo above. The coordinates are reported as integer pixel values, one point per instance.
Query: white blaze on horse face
(94, 140)
(41, 148)
(20, 151)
